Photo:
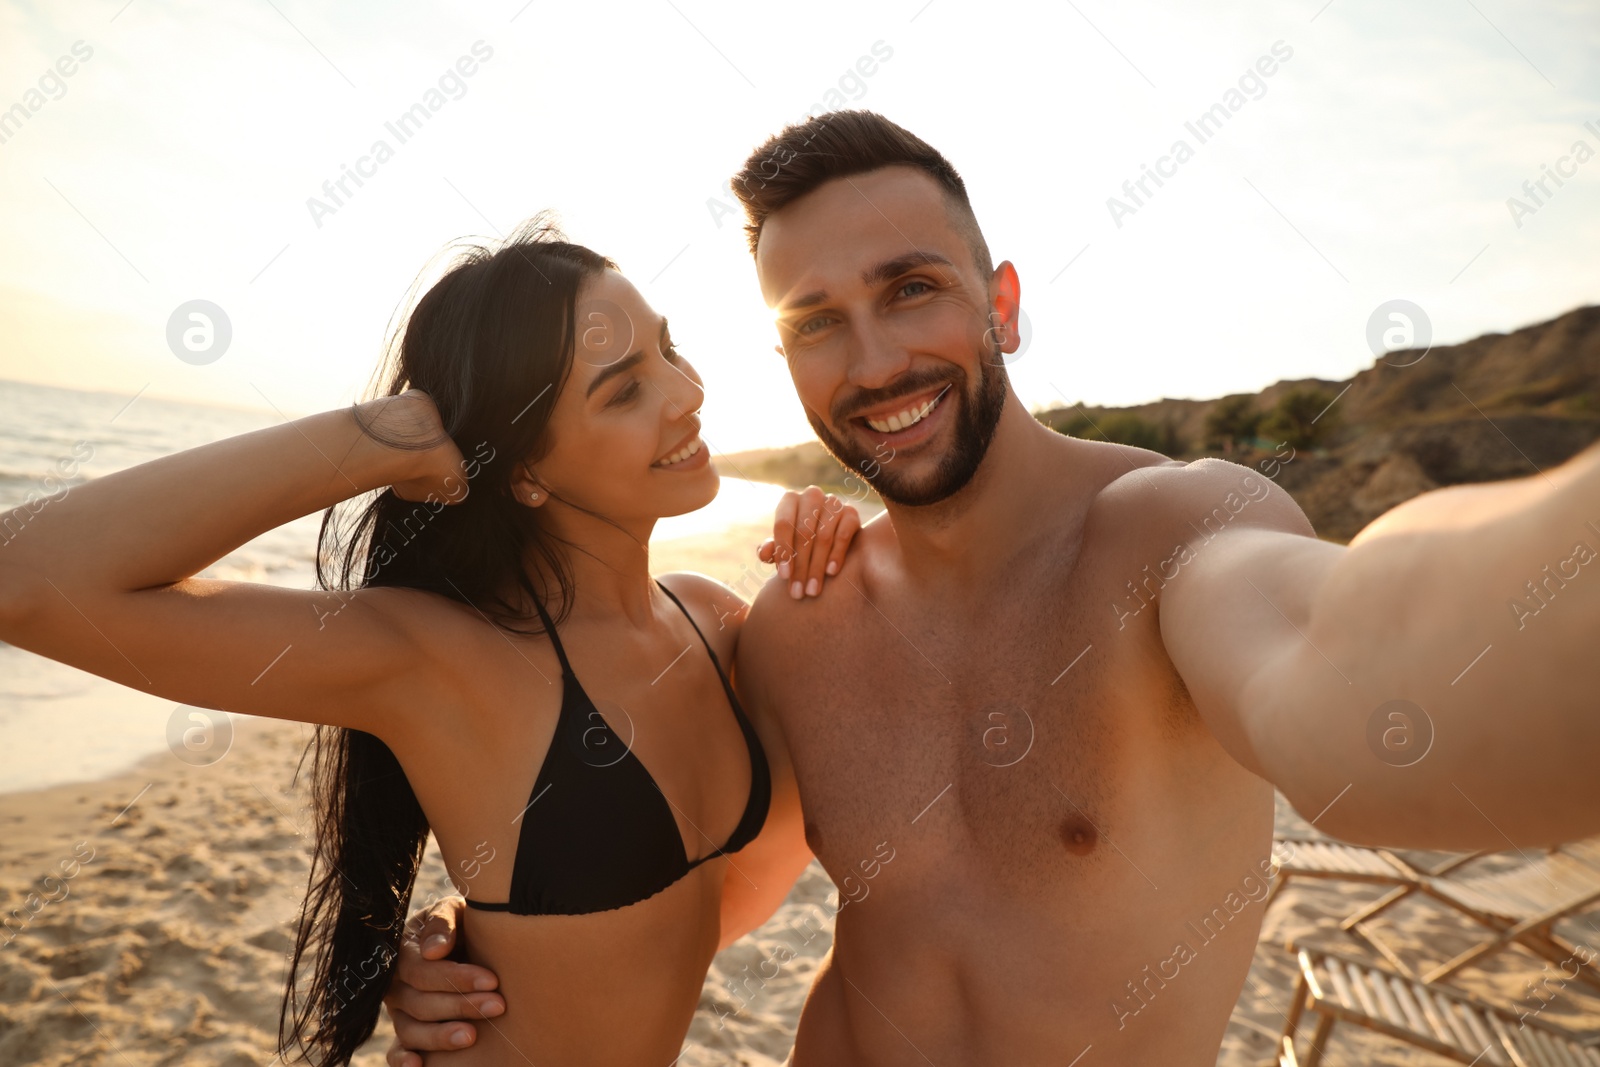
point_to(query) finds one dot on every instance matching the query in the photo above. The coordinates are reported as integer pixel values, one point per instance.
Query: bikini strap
(550, 628)
(714, 661)
(566, 667)
(760, 773)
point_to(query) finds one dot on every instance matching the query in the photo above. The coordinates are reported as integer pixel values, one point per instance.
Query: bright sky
(175, 162)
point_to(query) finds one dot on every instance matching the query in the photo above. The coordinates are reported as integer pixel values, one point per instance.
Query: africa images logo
(1203, 128)
(403, 128)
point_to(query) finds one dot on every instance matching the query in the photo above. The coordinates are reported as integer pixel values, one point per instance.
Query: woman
(490, 659)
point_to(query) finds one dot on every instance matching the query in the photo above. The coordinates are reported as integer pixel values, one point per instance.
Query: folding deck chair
(1324, 858)
(1339, 988)
(1521, 906)
(1518, 906)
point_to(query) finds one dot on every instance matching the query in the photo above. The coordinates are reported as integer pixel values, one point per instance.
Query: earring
(533, 495)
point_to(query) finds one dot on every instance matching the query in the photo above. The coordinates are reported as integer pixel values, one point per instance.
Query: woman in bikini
(488, 657)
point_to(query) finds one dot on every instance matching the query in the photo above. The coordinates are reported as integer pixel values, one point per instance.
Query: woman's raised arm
(101, 577)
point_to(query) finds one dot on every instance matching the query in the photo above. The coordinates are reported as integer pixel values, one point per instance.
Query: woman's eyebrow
(626, 363)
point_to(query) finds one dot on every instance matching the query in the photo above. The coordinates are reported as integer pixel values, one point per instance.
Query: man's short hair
(837, 144)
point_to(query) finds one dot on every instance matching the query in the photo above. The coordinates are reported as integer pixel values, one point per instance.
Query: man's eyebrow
(890, 269)
(626, 363)
(811, 299)
(875, 275)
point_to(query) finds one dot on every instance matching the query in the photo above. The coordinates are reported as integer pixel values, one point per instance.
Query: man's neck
(977, 533)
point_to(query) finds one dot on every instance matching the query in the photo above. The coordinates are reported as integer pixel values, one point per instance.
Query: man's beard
(976, 420)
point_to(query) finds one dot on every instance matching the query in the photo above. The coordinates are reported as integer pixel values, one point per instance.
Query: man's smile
(892, 421)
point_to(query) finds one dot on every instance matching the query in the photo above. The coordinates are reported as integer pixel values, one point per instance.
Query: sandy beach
(167, 943)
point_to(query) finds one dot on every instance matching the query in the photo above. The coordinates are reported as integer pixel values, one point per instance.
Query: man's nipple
(1079, 835)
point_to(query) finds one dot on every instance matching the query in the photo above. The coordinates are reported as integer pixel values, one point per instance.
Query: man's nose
(876, 357)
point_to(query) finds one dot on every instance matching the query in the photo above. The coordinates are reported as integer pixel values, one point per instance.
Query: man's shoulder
(778, 620)
(1188, 492)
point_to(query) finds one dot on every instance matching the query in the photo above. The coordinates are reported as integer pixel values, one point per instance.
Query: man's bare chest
(993, 733)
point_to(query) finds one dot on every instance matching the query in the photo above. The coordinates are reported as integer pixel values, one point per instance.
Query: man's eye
(910, 285)
(806, 326)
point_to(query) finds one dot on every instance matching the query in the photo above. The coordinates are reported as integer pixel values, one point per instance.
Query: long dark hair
(492, 343)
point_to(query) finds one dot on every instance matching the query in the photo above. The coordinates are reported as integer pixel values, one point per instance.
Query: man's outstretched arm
(1434, 684)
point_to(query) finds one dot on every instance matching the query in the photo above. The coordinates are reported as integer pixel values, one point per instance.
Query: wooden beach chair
(1336, 987)
(1328, 860)
(1518, 906)
(1325, 858)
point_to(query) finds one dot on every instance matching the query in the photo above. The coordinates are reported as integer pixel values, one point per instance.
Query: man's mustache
(907, 386)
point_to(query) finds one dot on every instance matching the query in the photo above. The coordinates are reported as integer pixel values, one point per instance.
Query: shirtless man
(1060, 678)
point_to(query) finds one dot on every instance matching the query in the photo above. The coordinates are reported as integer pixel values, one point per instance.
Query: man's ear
(526, 487)
(1005, 308)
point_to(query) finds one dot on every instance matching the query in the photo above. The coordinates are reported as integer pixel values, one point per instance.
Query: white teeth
(682, 454)
(903, 419)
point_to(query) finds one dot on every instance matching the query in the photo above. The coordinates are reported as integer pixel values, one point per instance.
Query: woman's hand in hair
(410, 422)
(812, 531)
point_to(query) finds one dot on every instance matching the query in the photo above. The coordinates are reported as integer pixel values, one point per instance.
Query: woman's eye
(625, 394)
(671, 352)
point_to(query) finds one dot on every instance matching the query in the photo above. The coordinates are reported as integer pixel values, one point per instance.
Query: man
(1060, 678)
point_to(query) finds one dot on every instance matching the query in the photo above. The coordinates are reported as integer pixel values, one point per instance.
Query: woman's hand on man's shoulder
(811, 533)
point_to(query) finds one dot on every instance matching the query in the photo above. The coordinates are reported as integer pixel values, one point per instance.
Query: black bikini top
(598, 833)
